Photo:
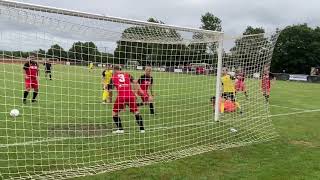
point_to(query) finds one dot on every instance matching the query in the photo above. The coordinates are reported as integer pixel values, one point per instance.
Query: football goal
(59, 128)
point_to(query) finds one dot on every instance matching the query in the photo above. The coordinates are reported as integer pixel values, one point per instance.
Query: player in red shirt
(31, 73)
(126, 96)
(146, 82)
(226, 105)
(240, 85)
(266, 83)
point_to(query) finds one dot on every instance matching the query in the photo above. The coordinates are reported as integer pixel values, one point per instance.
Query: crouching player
(125, 96)
(226, 105)
(146, 82)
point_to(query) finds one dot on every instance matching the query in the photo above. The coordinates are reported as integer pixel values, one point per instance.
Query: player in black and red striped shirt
(146, 82)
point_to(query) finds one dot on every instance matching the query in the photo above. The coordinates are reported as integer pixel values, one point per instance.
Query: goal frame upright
(218, 76)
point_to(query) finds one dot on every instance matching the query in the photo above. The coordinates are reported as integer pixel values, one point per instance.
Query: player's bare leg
(117, 121)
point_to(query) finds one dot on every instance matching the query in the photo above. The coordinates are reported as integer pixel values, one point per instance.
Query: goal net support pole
(218, 81)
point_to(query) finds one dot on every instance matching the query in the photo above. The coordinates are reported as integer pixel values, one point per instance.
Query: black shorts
(228, 95)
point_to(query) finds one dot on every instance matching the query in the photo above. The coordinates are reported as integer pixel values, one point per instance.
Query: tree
(154, 20)
(297, 50)
(251, 30)
(56, 51)
(251, 46)
(84, 52)
(150, 45)
(210, 22)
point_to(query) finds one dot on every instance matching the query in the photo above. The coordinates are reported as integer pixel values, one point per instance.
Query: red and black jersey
(240, 76)
(122, 81)
(266, 78)
(145, 82)
(31, 69)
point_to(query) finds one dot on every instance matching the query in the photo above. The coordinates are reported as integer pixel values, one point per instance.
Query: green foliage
(142, 44)
(249, 47)
(297, 50)
(210, 22)
(84, 51)
(57, 52)
(251, 30)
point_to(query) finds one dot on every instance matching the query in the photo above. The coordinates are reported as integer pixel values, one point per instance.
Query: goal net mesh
(68, 131)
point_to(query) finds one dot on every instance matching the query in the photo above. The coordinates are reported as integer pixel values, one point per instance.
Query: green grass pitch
(72, 125)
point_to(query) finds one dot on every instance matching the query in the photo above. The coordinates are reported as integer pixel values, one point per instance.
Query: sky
(236, 15)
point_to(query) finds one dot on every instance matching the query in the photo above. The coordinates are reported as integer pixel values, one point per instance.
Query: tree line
(296, 50)
(79, 52)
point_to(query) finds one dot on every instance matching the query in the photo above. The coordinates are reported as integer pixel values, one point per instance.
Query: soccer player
(226, 105)
(122, 81)
(31, 72)
(227, 85)
(146, 82)
(106, 77)
(266, 82)
(47, 69)
(240, 85)
(90, 66)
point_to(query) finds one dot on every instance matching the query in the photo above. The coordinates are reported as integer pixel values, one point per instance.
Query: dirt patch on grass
(304, 143)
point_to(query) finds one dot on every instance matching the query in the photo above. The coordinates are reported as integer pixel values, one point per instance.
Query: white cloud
(235, 15)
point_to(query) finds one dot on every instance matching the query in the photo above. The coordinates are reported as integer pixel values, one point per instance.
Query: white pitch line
(34, 142)
(157, 128)
(287, 107)
(299, 112)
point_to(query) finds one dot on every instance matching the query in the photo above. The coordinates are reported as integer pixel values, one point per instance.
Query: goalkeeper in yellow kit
(227, 85)
(106, 77)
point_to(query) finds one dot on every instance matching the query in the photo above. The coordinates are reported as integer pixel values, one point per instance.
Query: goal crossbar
(54, 10)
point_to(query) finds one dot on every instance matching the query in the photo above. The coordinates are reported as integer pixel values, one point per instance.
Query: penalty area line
(299, 112)
(287, 107)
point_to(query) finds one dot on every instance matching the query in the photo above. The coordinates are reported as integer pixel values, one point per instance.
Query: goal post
(65, 127)
(218, 80)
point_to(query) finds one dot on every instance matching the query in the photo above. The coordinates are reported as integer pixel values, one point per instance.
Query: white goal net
(64, 125)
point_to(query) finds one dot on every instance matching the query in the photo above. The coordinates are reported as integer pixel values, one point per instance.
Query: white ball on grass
(14, 112)
(233, 130)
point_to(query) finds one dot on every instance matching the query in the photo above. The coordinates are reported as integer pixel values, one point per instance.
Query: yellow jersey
(107, 75)
(227, 83)
(91, 65)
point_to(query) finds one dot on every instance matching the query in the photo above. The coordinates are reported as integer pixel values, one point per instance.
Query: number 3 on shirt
(121, 78)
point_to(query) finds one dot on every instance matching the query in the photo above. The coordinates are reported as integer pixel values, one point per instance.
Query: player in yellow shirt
(90, 66)
(228, 86)
(106, 77)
